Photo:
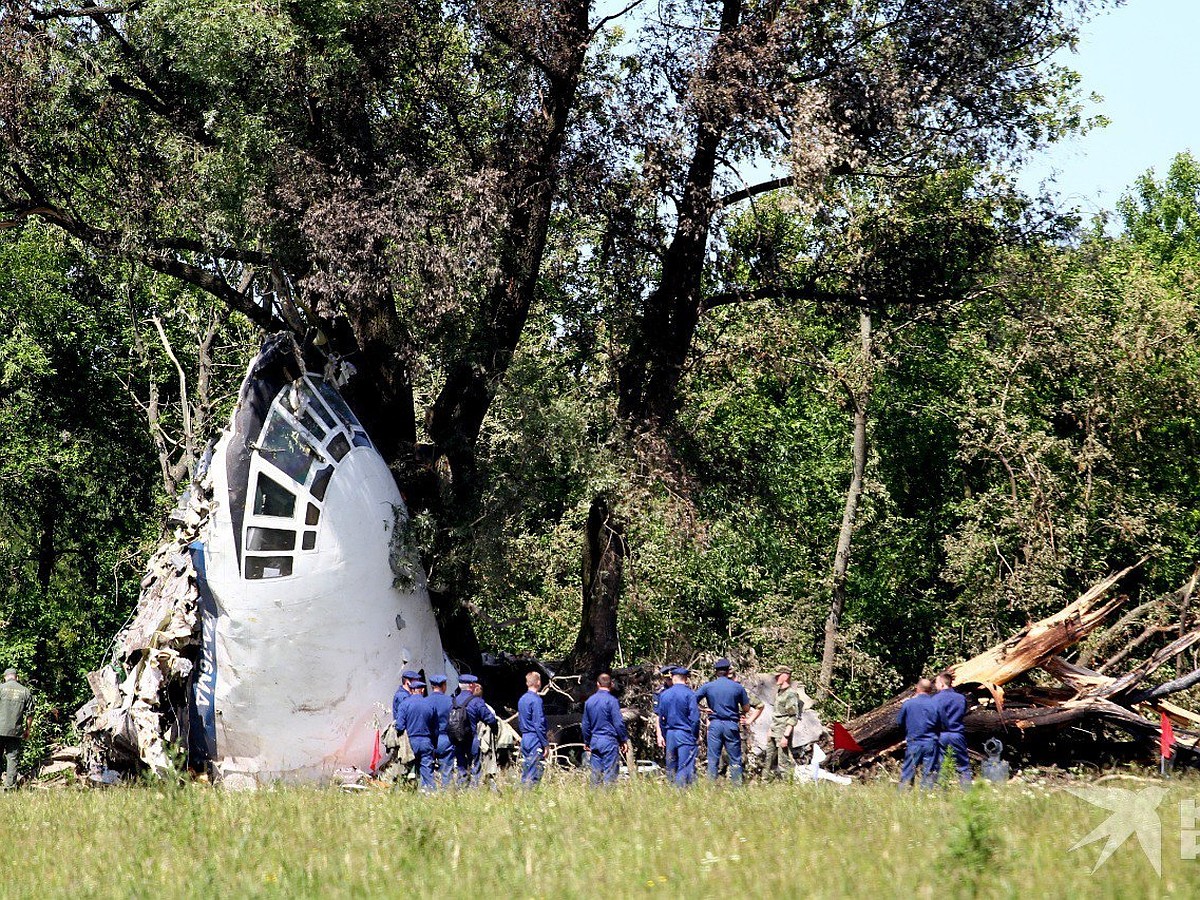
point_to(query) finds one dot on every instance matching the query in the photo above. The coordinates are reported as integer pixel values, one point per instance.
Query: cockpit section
(306, 434)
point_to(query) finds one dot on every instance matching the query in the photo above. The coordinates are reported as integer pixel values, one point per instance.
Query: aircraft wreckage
(271, 631)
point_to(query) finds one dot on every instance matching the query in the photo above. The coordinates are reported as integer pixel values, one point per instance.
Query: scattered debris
(132, 718)
(1035, 718)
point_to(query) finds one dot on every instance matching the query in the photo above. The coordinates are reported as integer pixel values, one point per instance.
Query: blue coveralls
(466, 756)
(531, 719)
(919, 717)
(726, 701)
(419, 720)
(444, 753)
(402, 696)
(679, 716)
(604, 732)
(951, 707)
(657, 697)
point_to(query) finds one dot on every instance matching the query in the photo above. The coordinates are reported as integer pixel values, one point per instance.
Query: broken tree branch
(1031, 647)
(1039, 641)
(189, 437)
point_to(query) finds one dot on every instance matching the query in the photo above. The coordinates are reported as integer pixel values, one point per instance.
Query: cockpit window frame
(302, 398)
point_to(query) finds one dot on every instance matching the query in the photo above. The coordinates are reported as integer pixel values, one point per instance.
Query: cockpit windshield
(336, 403)
(307, 433)
(286, 448)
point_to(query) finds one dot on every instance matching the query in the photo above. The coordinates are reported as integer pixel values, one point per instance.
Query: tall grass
(565, 840)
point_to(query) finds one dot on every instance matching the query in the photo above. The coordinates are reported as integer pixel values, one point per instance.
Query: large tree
(382, 177)
(377, 177)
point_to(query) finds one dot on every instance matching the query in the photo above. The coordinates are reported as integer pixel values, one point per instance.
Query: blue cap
(722, 663)
(417, 684)
(410, 674)
(681, 670)
(467, 679)
(667, 670)
(437, 679)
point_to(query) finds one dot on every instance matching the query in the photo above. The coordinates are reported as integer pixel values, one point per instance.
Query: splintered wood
(1086, 696)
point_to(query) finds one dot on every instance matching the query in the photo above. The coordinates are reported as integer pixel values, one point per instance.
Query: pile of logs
(1045, 708)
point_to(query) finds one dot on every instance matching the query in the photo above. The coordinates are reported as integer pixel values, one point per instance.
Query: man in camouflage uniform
(789, 705)
(14, 724)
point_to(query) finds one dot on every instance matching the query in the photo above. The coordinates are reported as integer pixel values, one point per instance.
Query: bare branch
(632, 5)
(189, 439)
(86, 12)
(754, 190)
(1167, 688)
(111, 242)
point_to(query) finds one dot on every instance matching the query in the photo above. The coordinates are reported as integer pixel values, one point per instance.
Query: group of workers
(729, 706)
(678, 711)
(445, 742)
(933, 726)
(444, 732)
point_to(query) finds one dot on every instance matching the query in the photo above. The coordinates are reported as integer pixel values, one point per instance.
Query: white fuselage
(312, 628)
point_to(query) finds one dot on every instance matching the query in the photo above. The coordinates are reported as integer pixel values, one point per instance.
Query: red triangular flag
(376, 753)
(844, 740)
(1167, 738)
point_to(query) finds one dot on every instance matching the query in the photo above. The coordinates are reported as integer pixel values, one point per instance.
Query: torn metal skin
(274, 623)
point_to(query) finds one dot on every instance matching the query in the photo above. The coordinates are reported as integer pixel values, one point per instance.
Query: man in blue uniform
(466, 754)
(665, 674)
(531, 721)
(604, 733)
(951, 707)
(403, 693)
(727, 702)
(394, 741)
(419, 720)
(444, 751)
(679, 718)
(919, 717)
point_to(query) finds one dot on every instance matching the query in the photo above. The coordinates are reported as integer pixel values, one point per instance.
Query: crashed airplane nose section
(303, 603)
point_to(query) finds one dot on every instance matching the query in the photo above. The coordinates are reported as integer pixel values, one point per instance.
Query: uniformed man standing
(604, 733)
(444, 751)
(789, 706)
(419, 720)
(951, 707)
(395, 741)
(531, 719)
(15, 722)
(665, 674)
(403, 693)
(466, 754)
(919, 717)
(727, 702)
(679, 718)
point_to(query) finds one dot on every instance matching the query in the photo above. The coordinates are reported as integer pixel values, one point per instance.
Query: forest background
(864, 417)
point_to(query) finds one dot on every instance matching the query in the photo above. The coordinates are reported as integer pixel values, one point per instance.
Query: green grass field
(565, 840)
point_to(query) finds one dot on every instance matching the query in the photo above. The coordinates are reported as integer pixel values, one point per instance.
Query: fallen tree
(1032, 714)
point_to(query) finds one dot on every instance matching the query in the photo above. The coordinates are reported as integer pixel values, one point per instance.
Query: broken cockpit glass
(307, 433)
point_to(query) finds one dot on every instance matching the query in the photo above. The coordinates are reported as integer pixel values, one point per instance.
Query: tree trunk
(649, 376)
(458, 413)
(603, 565)
(841, 558)
(382, 396)
(47, 551)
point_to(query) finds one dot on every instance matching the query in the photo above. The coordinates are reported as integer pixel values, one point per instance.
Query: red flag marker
(1167, 739)
(843, 739)
(376, 754)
